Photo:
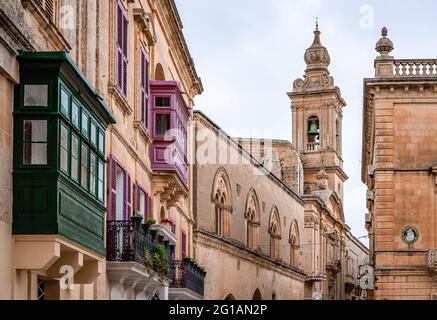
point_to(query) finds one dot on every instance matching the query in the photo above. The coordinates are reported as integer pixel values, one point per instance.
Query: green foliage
(150, 222)
(161, 260)
(148, 261)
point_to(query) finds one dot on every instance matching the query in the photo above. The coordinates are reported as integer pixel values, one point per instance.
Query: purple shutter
(135, 190)
(122, 40)
(149, 213)
(112, 192)
(127, 197)
(125, 29)
(144, 88)
(184, 244)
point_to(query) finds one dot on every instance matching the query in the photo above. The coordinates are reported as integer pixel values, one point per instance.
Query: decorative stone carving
(432, 261)
(238, 190)
(317, 55)
(325, 81)
(384, 45)
(311, 221)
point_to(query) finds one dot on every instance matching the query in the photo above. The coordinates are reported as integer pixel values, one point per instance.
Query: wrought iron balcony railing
(129, 241)
(187, 274)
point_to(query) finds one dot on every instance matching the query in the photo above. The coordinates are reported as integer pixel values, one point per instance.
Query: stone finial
(317, 56)
(384, 45)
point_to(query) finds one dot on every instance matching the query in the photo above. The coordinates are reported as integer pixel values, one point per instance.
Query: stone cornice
(169, 16)
(205, 238)
(20, 40)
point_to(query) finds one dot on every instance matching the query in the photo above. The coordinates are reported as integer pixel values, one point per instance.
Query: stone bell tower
(317, 120)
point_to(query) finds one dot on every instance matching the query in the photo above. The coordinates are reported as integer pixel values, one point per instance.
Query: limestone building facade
(311, 167)
(399, 168)
(249, 224)
(89, 90)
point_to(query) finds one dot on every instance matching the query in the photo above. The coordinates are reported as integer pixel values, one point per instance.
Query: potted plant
(150, 222)
(161, 260)
(148, 261)
(136, 220)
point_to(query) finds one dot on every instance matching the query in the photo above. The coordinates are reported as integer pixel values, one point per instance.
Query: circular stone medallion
(410, 235)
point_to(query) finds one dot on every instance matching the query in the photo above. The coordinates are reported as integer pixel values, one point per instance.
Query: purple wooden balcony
(170, 116)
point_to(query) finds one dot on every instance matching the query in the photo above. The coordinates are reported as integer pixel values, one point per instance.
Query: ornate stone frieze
(323, 82)
(311, 221)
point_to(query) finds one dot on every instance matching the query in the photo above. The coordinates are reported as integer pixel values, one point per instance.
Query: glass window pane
(74, 157)
(101, 180)
(162, 124)
(36, 95)
(35, 142)
(101, 142)
(65, 102)
(142, 203)
(75, 114)
(85, 123)
(35, 153)
(64, 148)
(93, 173)
(162, 102)
(93, 133)
(35, 130)
(84, 167)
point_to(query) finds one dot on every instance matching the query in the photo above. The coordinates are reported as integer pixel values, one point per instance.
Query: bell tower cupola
(317, 114)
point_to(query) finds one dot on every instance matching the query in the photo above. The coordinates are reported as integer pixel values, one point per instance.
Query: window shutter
(125, 29)
(184, 244)
(112, 174)
(127, 197)
(121, 63)
(144, 88)
(149, 210)
(135, 192)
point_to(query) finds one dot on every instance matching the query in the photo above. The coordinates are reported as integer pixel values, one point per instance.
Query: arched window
(162, 214)
(252, 220)
(275, 233)
(221, 198)
(313, 137)
(294, 245)
(159, 72)
(230, 297)
(257, 295)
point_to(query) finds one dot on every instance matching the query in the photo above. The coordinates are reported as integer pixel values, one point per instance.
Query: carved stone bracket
(170, 189)
(432, 261)
(144, 21)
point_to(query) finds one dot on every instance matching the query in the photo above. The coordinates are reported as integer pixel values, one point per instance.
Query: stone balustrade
(416, 68)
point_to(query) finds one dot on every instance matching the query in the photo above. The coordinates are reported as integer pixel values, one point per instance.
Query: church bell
(314, 130)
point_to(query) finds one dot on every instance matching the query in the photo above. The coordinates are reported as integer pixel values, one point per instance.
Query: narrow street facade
(399, 168)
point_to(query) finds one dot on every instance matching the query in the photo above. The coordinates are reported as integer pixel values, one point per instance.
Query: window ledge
(120, 99)
(138, 125)
(54, 34)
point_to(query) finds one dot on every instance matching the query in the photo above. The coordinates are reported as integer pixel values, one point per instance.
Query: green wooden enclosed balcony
(59, 151)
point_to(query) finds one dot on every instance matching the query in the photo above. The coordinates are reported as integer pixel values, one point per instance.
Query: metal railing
(128, 241)
(187, 274)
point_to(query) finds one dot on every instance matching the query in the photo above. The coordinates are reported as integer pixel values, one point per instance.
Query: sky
(249, 52)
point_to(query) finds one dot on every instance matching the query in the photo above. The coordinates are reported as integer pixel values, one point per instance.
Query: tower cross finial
(317, 23)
